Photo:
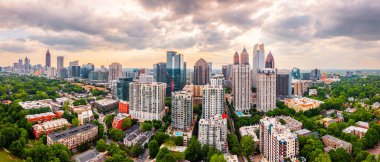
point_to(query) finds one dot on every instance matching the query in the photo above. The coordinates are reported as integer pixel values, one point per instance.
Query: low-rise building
(332, 143)
(290, 123)
(302, 103)
(27, 105)
(358, 131)
(134, 135)
(123, 107)
(106, 104)
(61, 101)
(74, 137)
(351, 110)
(85, 117)
(118, 120)
(43, 116)
(327, 121)
(362, 124)
(91, 156)
(313, 92)
(303, 132)
(80, 108)
(49, 127)
(251, 131)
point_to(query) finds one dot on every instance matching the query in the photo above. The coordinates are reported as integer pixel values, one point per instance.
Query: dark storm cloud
(356, 19)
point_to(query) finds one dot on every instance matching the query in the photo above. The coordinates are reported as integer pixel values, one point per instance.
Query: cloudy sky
(301, 33)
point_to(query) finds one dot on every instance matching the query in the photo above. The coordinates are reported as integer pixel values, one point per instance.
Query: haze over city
(305, 34)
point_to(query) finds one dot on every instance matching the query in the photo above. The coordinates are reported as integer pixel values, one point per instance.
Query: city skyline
(307, 34)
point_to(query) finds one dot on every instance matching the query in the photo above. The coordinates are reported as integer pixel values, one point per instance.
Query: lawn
(316, 117)
(7, 157)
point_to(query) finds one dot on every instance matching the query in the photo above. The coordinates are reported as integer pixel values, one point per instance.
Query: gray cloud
(18, 45)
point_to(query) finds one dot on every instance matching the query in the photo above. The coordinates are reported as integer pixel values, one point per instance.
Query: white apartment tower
(213, 101)
(241, 86)
(213, 132)
(217, 80)
(258, 61)
(147, 100)
(277, 143)
(266, 90)
(182, 110)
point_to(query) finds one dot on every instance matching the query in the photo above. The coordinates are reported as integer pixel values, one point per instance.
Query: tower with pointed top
(236, 58)
(48, 61)
(244, 57)
(269, 61)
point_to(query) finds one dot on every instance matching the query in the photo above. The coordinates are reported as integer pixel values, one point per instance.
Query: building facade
(147, 100)
(182, 110)
(176, 68)
(241, 87)
(269, 61)
(266, 90)
(47, 59)
(213, 132)
(213, 101)
(277, 143)
(74, 137)
(160, 73)
(123, 88)
(115, 71)
(258, 61)
(201, 73)
(283, 83)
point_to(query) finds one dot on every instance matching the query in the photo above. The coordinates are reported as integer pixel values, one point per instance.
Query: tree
(61, 152)
(146, 126)
(108, 120)
(161, 137)
(75, 121)
(101, 145)
(247, 145)
(116, 134)
(153, 148)
(372, 136)
(340, 155)
(137, 150)
(80, 102)
(127, 122)
(178, 140)
(217, 158)
(17, 148)
(192, 152)
(322, 158)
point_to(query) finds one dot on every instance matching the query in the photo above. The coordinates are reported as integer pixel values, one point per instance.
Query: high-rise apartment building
(123, 88)
(176, 68)
(266, 90)
(160, 73)
(60, 62)
(115, 71)
(213, 101)
(269, 61)
(217, 80)
(47, 59)
(201, 72)
(147, 100)
(182, 110)
(283, 83)
(258, 61)
(213, 132)
(277, 143)
(241, 87)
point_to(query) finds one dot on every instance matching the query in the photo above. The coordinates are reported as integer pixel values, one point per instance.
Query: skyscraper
(244, 57)
(182, 110)
(277, 142)
(236, 58)
(213, 101)
(147, 100)
(283, 83)
(241, 85)
(60, 62)
(86, 70)
(20, 65)
(315, 74)
(209, 70)
(296, 73)
(213, 132)
(27, 65)
(48, 61)
(160, 73)
(266, 90)
(224, 71)
(123, 88)
(115, 71)
(258, 61)
(269, 61)
(201, 72)
(176, 68)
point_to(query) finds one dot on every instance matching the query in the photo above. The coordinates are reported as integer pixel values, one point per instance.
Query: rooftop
(86, 156)
(71, 132)
(106, 101)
